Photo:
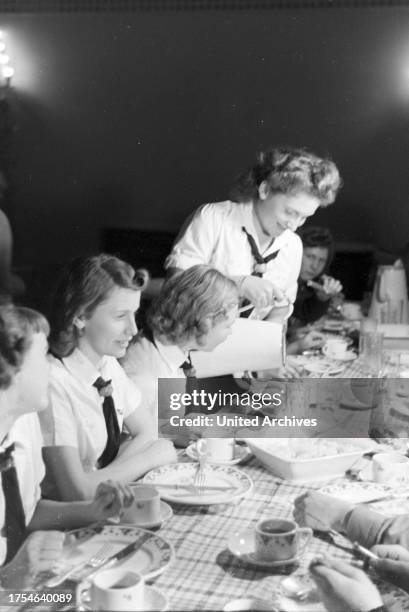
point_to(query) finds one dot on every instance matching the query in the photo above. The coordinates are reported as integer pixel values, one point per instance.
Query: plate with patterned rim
(223, 483)
(358, 492)
(150, 559)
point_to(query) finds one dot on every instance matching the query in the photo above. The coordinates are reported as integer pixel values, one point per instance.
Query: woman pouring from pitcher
(251, 237)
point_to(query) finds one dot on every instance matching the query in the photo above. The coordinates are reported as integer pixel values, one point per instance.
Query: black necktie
(261, 262)
(260, 265)
(14, 517)
(111, 421)
(191, 380)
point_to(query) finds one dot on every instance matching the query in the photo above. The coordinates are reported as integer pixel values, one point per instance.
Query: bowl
(288, 458)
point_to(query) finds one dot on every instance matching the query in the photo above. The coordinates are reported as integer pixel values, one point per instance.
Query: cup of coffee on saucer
(217, 450)
(280, 539)
(390, 468)
(119, 589)
(146, 507)
(335, 348)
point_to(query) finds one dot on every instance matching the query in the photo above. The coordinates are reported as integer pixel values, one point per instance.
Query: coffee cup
(335, 348)
(216, 449)
(390, 468)
(280, 539)
(113, 589)
(352, 311)
(145, 508)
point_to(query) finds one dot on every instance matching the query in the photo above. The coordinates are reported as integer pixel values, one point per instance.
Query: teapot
(390, 295)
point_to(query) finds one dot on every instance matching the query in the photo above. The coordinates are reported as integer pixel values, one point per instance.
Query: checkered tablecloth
(205, 575)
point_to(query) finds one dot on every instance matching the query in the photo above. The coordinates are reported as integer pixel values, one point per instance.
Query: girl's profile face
(111, 326)
(32, 379)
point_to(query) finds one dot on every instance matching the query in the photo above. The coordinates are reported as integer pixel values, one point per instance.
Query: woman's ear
(79, 322)
(263, 190)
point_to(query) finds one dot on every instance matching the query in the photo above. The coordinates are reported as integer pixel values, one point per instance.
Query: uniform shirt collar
(81, 367)
(170, 353)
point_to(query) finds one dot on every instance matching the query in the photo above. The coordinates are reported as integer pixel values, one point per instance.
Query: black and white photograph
(204, 305)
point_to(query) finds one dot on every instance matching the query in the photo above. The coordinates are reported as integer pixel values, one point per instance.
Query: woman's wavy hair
(191, 303)
(290, 171)
(85, 283)
(315, 236)
(17, 327)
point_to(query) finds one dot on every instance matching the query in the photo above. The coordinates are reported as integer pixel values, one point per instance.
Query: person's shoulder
(26, 429)
(58, 371)
(218, 210)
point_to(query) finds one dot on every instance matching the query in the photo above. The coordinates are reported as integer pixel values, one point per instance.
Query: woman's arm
(109, 498)
(73, 483)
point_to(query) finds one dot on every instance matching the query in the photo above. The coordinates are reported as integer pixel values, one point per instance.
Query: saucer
(242, 544)
(321, 367)
(153, 600)
(348, 356)
(165, 513)
(240, 453)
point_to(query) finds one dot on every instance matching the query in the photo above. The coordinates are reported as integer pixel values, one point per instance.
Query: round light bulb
(8, 72)
(2, 46)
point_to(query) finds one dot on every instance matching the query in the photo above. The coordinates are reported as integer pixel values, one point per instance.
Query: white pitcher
(390, 295)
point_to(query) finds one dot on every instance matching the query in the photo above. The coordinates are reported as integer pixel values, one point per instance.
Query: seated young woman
(316, 290)
(24, 374)
(91, 399)
(195, 310)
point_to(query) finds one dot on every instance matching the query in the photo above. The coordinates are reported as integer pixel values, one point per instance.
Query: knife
(121, 554)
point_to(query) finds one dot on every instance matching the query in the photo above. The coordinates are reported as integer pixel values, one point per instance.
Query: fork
(95, 561)
(200, 476)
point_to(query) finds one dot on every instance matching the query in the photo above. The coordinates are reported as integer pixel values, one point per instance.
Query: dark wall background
(134, 119)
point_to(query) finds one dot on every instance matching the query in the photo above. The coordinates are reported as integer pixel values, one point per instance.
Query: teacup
(335, 348)
(390, 469)
(216, 449)
(280, 539)
(113, 589)
(145, 508)
(352, 311)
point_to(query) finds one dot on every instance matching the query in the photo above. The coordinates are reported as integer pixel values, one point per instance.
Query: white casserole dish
(314, 468)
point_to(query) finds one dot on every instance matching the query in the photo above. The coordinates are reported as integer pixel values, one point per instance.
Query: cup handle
(82, 595)
(325, 350)
(304, 536)
(201, 446)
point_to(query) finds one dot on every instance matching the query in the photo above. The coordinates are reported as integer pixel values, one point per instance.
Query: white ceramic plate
(175, 483)
(153, 600)
(322, 366)
(242, 544)
(358, 492)
(240, 453)
(150, 559)
(255, 604)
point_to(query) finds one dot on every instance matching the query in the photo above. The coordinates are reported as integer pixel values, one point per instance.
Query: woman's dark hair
(314, 236)
(85, 283)
(289, 171)
(17, 327)
(191, 303)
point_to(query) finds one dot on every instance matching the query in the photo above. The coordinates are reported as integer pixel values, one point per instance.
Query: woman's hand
(393, 564)
(319, 511)
(110, 497)
(261, 292)
(39, 553)
(344, 587)
(328, 289)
